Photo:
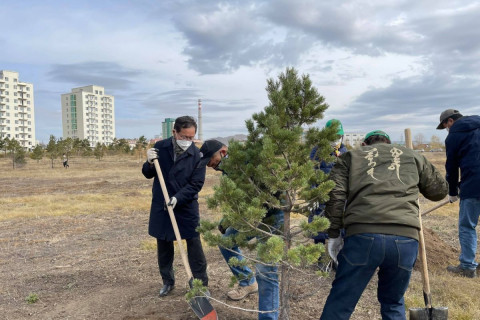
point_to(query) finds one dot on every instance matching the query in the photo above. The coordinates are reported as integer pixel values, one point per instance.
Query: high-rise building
(89, 113)
(17, 112)
(167, 127)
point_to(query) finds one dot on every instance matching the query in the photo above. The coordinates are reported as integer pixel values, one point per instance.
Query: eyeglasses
(182, 137)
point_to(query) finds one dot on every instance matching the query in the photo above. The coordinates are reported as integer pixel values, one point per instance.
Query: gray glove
(452, 199)
(172, 202)
(334, 246)
(152, 155)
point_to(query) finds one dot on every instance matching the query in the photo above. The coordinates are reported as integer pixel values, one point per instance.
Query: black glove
(221, 229)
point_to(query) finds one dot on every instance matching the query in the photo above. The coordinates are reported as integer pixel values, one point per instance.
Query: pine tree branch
(248, 257)
(243, 309)
(271, 227)
(260, 230)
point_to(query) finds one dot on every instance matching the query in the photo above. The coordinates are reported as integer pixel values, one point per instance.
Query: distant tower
(200, 133)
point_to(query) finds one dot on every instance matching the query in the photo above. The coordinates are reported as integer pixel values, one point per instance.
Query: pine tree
(37, 153)
(272, 169)
(141, 146)
(99, 151)
(52, 148)
(17, 152)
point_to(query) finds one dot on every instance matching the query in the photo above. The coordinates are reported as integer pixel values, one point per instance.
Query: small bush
(32, 298)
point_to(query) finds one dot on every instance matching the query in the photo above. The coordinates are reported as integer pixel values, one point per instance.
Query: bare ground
(95, 267)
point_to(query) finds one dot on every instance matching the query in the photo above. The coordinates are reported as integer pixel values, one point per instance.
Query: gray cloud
(414, 102)
(107, 74)
(223, 37)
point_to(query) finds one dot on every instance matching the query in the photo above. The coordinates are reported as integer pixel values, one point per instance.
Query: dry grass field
(74, 245)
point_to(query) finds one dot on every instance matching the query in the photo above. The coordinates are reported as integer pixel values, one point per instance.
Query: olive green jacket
(377, 189)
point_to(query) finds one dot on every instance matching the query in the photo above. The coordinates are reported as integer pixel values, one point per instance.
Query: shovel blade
(203, 308)
(437, 313)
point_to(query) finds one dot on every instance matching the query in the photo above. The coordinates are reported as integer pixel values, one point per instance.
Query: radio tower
(200, 133)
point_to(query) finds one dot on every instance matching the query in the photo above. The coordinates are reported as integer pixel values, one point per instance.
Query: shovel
(200, 305)
(428, 313)
(441, 204)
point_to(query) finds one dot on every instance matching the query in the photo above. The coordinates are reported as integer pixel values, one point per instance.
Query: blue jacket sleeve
(452, 164)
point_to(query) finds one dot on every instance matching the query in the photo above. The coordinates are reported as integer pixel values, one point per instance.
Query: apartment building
(17, 112)
(89, 113)
(167, 127)
(353, 139)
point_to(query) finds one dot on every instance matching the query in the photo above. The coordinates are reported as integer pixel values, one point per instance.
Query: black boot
(166, 290)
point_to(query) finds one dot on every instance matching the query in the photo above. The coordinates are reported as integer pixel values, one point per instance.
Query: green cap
(376, 133)
(338, 123)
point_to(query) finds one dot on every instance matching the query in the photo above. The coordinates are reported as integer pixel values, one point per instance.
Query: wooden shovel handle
(441, 204)
(423, 256)
(173, 220)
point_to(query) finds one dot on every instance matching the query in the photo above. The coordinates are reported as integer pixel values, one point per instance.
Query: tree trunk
(285, 271)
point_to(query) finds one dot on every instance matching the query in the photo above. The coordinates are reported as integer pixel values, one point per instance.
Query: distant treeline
(58, 148)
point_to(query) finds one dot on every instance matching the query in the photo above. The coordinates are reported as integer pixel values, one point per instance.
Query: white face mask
(336, 143)
(184, 144)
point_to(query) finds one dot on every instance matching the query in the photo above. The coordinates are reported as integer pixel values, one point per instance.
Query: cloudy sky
(379, 64)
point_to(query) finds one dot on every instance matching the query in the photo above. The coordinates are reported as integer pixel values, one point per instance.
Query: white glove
(151, 155)
(172, 202)
(334, 246)
(452, 199)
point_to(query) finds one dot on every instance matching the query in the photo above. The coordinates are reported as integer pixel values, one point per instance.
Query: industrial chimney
(200, 133)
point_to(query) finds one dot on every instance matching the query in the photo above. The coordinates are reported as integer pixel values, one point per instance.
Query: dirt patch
(439, 253)
(93, 266)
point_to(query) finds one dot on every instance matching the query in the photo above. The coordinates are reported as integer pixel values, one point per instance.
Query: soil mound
(439, 253)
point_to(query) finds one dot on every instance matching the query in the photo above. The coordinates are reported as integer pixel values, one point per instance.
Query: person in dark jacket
(463, 152)
(380, 183)
(338, 148)
(265, 280)
(178, 158)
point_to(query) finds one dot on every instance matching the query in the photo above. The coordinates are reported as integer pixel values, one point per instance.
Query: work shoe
(469, 273)
(241, 292)
(166, 290)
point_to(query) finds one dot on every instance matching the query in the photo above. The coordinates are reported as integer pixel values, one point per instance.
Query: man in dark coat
(178, 158)
(463, 152)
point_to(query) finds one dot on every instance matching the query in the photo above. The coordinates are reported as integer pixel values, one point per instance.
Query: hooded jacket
(463, 152)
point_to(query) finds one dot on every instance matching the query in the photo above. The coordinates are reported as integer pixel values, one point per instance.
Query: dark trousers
(360, 257)
(196, 260)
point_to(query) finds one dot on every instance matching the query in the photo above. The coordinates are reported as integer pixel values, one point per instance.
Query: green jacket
(377, 189)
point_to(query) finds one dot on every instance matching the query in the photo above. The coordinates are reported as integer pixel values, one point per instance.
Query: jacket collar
(169, 146)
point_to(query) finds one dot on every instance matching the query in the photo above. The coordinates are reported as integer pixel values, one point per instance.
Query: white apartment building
(17, 112)
(353, 139)
(88, 113)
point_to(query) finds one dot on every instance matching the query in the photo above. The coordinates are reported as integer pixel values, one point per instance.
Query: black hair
(184, 122)
(377, 139)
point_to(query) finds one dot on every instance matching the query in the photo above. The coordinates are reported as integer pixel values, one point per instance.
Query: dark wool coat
(184, 179)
